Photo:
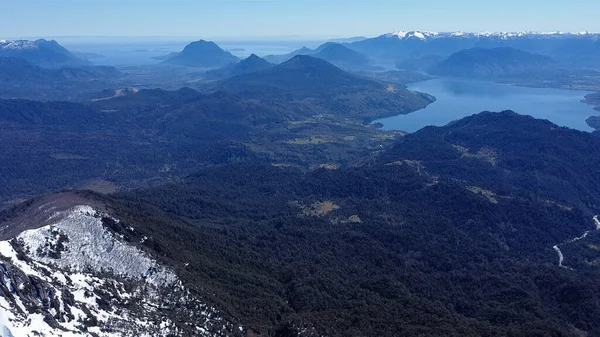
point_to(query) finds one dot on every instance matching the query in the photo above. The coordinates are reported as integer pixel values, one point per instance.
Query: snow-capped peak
(402, 35)
(18, 44)
(412, 34)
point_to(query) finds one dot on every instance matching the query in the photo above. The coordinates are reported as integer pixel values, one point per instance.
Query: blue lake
(460, 98)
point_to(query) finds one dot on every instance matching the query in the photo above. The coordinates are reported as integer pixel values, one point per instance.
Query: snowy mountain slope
(44, 53)
(73, 276)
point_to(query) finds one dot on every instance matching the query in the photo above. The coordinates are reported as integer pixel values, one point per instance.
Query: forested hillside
(395, 246)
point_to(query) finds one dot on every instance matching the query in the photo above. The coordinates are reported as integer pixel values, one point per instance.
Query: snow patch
(90, 246)
(18, 44)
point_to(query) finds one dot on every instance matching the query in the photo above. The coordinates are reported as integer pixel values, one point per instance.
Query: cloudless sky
(270, 18)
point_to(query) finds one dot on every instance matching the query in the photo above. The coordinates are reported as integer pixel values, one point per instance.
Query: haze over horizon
(239, 19)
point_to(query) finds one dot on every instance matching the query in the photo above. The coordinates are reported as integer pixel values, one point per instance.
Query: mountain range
(309, 78)
(579, 49)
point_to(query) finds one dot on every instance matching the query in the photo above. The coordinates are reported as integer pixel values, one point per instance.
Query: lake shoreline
(458, 98)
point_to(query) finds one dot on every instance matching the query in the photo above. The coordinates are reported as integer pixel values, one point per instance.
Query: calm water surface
(460, 98)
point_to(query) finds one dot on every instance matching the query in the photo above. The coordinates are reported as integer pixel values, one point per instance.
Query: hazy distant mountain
(166, 56)
(495, 62)
(285, 57)
(22, 79)
(302, 75)
(44, 53)
(249, 65)
(332, 52)
(341, 56)
(309, 78)
(420, 63)
(17, 69)
(348, 39)
(202, 54)
(572, 48)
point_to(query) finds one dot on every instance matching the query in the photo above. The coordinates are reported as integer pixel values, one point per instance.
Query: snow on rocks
(75, 277)
(81, 242)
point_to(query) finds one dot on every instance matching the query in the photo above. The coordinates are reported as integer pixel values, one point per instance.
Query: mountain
(286, 57)
(332, 52)
(20, 78)
(484, 226)
(509, 154)
(19, 69)
(486, 63)
(341, 56)
(44, 53)
(249, 65)
(574, 49)
(307, 78)
(69, 268)
(202, 54)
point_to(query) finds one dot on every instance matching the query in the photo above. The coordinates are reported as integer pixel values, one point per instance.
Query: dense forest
(127, 138)
(150, 136)
(394, 246)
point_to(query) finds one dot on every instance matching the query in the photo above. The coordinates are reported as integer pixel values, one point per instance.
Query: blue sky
(270, 18)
